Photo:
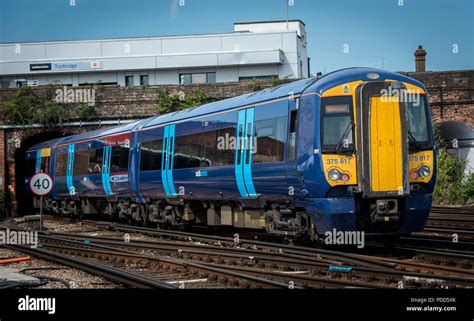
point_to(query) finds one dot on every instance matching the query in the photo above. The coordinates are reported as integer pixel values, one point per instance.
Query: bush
(453, 186)
(29, 107)
(167, 102)
(468, 188)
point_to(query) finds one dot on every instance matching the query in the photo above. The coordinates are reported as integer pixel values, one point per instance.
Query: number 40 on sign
(41, 184)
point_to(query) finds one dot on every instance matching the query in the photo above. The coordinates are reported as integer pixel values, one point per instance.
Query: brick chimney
(420, 60)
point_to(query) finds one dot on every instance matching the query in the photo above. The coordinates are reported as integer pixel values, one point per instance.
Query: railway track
(108, 272)
(304, 267)
(184, 259)
(451, 221)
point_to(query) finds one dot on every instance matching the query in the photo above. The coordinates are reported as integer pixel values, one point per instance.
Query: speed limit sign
(41, 184)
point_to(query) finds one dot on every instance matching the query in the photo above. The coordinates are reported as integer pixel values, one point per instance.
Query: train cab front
(377, 158)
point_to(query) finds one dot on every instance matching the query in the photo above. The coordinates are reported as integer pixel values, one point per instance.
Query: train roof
(317, 85)
(343, 76)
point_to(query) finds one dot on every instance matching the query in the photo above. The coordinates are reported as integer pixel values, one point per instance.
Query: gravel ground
(76, 278)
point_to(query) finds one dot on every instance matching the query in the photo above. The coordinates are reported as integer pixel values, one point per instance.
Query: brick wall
(114, 102)
(451, 95)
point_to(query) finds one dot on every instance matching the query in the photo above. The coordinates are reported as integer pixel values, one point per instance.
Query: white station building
(255, 50)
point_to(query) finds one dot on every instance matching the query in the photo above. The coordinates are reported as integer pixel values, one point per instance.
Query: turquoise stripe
(239, 154)
(247, 164)
(164, 161)
(70, 169)
(171, 161)
(109, 161)
(104, 156)
(38, 161)
(106, 170)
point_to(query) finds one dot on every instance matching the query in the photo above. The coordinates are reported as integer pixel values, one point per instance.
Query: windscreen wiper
(413, 140)
(340, 144)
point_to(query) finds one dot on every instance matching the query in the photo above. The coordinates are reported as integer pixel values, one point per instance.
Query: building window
(101, 84)
(21, 83)
(128, 81)
(211, 77)
(185, 79)
(252, 78)
(197, 78)
(144, 80)
(5, 84)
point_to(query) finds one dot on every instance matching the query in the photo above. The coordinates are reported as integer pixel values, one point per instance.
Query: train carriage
(351, 151)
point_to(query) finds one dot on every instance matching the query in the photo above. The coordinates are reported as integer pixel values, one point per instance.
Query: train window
(119, 159)
(337, 130)
(181, 152)
(292, 136)
(45, 165)
(270, 133)
(210, 150)
(197, 151)
(225, 151)
(95, 161)
(81, 163)
(203, 149)
(418, 124)
(61, 164)
(151, 155)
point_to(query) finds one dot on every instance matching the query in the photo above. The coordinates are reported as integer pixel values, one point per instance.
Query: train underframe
(274, 218)
(378, 216)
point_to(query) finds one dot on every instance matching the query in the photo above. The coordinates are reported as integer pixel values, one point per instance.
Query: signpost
(40, 185)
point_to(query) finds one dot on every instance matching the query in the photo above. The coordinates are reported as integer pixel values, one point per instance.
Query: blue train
(349, 151)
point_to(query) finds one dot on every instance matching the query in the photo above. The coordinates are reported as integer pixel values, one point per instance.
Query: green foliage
(167, 102)
(258, 84)
(468, 188)
(29, 107)
(453, 186)
(438, 139)
(85, 111)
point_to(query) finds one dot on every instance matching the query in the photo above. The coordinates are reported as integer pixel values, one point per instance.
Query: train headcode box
(41, 184)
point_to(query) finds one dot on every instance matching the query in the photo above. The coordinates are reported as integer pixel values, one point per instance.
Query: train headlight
(424, 171)
(334, 174)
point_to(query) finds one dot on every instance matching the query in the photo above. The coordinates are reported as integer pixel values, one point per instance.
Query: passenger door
(264, 166)
(383, 137)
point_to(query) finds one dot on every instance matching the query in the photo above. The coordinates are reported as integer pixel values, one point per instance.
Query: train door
(115, 163)
(291, 167)
(383, 137)
(265, 135)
